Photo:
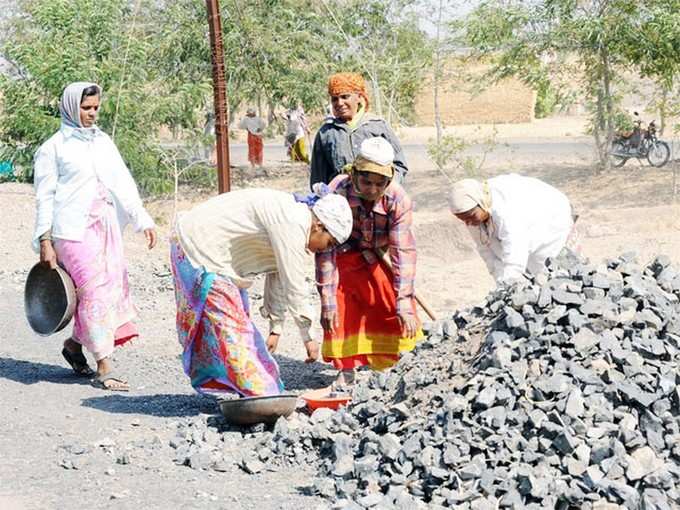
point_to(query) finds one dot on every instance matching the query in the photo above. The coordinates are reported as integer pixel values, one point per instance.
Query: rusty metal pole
(220, 92)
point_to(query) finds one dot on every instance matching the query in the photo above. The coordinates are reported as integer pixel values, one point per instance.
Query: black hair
(92, 90)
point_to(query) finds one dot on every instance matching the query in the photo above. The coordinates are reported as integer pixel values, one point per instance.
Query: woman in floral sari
(219, 246)
(85, 196)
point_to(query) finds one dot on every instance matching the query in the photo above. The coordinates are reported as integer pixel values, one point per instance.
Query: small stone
(566, 298)
(601, 281)
(486, 397)
(252, 466)
(322, 414)
(585, 340)
(390, 446)
(513, 320)
(370, 500)
(654, 499)
(564, 443)
(221, 466)
(641, 462)
(200, 460)
(593, 293)
(575, 404)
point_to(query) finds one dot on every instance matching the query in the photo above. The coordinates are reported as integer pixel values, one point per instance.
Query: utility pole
(220, 93)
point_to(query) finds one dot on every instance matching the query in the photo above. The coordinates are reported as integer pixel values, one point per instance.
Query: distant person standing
(338, 141)
(255, 127)
(296, 131)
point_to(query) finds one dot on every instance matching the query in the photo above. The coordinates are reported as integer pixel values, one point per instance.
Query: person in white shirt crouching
(516, 222)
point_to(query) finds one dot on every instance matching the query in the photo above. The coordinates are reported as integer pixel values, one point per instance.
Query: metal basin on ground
(252, 410)
(49, 299)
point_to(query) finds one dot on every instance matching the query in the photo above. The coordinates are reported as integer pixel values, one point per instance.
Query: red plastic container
(321, 398)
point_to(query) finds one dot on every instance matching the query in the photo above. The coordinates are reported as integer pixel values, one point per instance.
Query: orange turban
(342, 83)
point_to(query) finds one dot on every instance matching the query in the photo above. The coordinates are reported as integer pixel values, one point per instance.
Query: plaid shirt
(386, 227)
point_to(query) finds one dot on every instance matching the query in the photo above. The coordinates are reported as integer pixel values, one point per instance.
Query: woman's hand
(409, 325)
(312, 347)
(329, 321)
(150, 235)
(273, 342)
(47, 254)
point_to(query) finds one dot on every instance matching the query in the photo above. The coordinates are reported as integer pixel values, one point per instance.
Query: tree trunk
(437, 76)
(376, 90)
(663, 109)
(271, 115)
(608, 113)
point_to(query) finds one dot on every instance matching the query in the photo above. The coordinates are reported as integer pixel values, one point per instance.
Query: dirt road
(65, 444)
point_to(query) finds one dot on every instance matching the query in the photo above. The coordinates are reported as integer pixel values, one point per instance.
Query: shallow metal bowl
(49, 299)
(252, 410)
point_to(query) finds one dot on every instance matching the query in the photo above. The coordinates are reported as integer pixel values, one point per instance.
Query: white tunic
(531, 222)
(254, 125)
(67, 170)
(255, 231)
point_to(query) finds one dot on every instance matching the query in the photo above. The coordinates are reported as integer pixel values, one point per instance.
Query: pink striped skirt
(104, 310)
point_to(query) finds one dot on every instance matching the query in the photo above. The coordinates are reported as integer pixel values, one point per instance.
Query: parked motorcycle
(640, 143)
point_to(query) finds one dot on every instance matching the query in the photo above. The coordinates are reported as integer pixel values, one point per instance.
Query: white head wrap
(376, 155)
(377, 150)
(467, 194)
(335, 214)
(69, 106)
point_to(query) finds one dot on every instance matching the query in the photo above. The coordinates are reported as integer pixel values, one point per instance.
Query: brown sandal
(115, 383)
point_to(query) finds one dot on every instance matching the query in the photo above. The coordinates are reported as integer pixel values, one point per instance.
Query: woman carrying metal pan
(85, 196)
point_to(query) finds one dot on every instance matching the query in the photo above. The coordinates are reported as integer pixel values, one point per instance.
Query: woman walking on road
(85, 196)
(255, 127)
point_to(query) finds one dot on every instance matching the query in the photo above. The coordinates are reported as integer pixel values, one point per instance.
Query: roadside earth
(65, 444)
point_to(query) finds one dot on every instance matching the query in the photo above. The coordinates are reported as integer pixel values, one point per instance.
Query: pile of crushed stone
(571, 401)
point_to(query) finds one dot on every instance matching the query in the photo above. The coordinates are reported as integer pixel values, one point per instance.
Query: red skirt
(255, 149)
(369, 332)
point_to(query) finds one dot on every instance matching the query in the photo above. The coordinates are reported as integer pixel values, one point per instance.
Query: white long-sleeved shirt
(255, 231)
(530, 221)
(67, 170)
(254, 125)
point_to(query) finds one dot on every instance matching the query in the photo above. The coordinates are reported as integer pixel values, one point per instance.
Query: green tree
(152, 58)
(593, 41)
(54, 42)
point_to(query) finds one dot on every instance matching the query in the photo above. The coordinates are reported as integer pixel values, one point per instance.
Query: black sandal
(78, 363)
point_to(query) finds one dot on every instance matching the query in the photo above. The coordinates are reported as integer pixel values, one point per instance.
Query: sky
(452, 9)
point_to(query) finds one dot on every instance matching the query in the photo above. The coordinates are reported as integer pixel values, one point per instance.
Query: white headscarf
(69, 106)
(467, 194)
(335, 214)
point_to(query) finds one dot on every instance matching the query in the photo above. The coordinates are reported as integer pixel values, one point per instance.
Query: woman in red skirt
(255, 127)
(367, 307)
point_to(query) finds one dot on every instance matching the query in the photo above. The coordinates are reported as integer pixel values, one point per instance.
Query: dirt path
(65, 444)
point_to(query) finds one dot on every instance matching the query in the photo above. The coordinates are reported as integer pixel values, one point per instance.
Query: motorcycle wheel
(618, 148)
(658, 154)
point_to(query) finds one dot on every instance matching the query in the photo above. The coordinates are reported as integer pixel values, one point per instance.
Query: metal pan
(49, 299)
(252, 410)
